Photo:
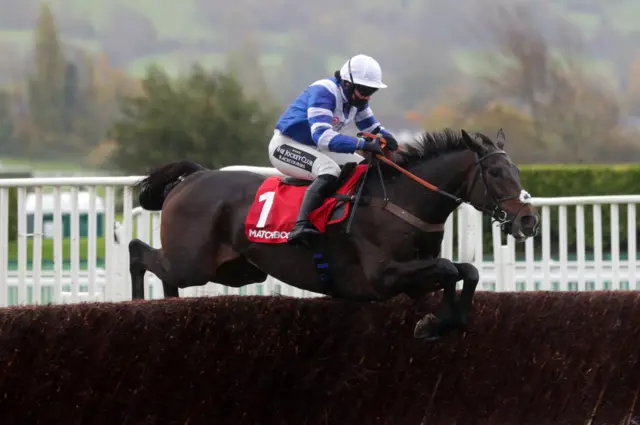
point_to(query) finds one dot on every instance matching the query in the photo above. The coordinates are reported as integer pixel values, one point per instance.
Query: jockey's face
(362, 94)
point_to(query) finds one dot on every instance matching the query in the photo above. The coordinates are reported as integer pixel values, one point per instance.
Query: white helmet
(363, 70)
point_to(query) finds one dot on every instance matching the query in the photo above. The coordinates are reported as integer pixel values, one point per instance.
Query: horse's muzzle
(525, 226)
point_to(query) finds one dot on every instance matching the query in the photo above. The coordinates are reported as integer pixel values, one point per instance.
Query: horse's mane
(430, 145)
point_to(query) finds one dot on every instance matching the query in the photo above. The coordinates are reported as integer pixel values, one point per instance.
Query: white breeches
(305, 162)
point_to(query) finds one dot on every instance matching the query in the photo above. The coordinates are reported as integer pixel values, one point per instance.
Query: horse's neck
(449, 173)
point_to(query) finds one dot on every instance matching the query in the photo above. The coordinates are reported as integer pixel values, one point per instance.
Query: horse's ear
(500, 139)
(472, 143)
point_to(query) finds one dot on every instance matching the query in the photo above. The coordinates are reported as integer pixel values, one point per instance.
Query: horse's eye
(495, 172)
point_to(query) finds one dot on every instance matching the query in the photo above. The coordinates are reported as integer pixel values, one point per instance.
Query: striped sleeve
(365, 120)
(322, 103)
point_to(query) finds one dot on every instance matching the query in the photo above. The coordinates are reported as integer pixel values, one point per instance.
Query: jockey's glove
(392, 143)
(370, 146)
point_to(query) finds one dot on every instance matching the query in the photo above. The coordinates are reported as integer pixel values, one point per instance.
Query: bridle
(496, 212)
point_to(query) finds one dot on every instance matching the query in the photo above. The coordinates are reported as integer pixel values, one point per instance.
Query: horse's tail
(160, 181)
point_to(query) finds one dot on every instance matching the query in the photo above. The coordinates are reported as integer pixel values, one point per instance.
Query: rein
(497, 213)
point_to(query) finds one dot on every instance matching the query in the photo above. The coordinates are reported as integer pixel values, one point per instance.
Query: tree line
(75, 105)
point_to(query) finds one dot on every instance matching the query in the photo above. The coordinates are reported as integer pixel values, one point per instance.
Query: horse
(230, 227)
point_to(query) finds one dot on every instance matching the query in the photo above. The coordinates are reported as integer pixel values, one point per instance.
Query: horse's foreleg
(470, 278)
(420, 276)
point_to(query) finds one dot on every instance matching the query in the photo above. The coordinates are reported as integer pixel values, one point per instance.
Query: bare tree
(540, 68)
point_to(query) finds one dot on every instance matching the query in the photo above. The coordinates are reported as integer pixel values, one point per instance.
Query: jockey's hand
(371, 146)
(392, 143)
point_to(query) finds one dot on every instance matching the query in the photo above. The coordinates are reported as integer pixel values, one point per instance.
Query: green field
(172, 20)
(47, 249)
(40, 165)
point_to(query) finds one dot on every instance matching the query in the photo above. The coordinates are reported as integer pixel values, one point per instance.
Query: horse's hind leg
(143, 258)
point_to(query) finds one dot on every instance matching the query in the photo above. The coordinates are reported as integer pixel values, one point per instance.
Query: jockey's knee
(326, 167)
(276, 140)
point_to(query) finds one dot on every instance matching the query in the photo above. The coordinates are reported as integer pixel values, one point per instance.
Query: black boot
(316, 193)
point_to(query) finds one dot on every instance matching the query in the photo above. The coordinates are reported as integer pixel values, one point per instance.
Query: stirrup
(302, 227)
(301, 232)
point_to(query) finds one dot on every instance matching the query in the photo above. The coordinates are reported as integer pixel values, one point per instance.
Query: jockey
(306, 142)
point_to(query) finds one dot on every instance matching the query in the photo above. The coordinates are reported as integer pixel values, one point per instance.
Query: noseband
(496, 212)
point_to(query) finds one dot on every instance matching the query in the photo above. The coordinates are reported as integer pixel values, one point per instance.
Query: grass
(40, 165)
(478, 64)
(178, 19)
(173, 20)
(47, 246)
(47, 249)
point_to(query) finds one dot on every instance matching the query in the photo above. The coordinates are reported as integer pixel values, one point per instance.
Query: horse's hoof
(425, 327)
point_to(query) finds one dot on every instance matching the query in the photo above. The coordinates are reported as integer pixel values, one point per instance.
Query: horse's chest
(427, 246)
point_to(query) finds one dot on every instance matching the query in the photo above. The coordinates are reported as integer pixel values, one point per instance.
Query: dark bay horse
(393, 244)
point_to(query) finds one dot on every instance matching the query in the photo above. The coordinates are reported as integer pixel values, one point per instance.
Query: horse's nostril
(529, 221)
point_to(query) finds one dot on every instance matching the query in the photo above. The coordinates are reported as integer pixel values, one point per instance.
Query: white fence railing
(115, 255)
(73, 234)
(598, 273)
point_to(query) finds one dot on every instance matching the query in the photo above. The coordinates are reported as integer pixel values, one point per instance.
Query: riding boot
(316, 193)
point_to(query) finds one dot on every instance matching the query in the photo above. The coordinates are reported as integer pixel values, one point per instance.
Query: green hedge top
(556, 180)
(553, 180)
